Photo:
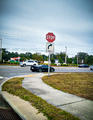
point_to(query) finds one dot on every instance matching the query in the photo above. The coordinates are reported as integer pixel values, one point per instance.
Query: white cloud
(28, 22)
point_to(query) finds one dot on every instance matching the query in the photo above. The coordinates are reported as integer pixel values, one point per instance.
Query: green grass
(80, 84)
(9, 64)
(14, 86)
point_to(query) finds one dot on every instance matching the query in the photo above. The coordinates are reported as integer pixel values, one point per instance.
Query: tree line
(80, 58)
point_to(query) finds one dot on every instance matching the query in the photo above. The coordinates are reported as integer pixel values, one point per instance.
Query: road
(10, 71)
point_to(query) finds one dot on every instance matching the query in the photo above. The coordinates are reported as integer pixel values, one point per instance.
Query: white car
(91, 67)
(28, 63)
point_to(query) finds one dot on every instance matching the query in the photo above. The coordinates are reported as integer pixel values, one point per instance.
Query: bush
(14, 62)
(53, 64)
(64, 64)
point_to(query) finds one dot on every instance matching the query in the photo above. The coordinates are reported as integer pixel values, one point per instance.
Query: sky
(25, 23)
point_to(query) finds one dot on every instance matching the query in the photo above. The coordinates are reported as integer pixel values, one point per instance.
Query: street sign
(50, 47)
(50, 37)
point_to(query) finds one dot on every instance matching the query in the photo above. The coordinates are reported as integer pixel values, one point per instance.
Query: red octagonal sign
(50, 37)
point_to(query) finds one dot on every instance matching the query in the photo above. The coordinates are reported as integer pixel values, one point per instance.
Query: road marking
(28, 75)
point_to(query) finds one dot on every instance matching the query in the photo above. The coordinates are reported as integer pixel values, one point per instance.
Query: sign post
(50, 37)
(49, 65)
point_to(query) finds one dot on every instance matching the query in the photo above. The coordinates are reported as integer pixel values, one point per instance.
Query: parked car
(41, 68)
(83, 66)
(91, 67)
(28, 63)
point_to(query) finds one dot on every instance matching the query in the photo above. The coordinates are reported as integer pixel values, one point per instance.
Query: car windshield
(30, 61)
(45, 66)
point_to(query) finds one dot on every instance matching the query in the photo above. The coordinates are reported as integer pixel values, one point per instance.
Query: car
(41, 68)
(91, 67)
(28, 63)
(83, 66)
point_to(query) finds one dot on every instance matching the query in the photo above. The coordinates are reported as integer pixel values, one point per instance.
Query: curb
(13, 107)
(20, 115)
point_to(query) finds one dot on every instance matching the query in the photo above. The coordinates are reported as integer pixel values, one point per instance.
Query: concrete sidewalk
(77, 106)
(23, 108)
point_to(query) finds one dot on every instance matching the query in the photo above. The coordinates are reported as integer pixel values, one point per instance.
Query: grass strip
(80, 84)
(14, 86)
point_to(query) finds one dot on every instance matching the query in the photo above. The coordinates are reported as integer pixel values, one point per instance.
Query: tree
(45, 58)
(82, 57)
(61, 57)
(69, 60)
(37, 56)
(90, 59)
(5, 55)
(28, 55)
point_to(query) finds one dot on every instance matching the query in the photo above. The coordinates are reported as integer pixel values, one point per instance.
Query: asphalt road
(10, 71)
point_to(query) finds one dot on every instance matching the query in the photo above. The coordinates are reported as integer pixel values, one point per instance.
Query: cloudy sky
(25, 23)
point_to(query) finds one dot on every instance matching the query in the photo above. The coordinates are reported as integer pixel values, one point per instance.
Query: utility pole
(65, 54)
(77, 59)
(0, 50)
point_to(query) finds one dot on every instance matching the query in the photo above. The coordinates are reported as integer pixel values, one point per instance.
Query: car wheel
(24, 65)
(40, 70)
(52, 70)
(21, 65)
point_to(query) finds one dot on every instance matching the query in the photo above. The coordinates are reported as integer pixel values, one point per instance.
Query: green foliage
(69, 60)
(64, 64)
(53, 64)
(82, 57)
(37, 56)
(61, 57)
(13, 62)
(87, 59)
(52, 60)
(90, 59)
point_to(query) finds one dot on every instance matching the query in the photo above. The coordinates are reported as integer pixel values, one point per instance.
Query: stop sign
(50, 37)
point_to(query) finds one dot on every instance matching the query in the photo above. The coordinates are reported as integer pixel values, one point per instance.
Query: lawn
(80, 84)
(14, 86)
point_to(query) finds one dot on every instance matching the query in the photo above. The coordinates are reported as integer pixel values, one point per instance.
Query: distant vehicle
(41, 68)
(28, 63)
(83, 66)
(58, 64)
(91, 67)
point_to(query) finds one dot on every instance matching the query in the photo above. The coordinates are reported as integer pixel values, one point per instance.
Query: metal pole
(49, 65)
(0, 50)
(65, 54)
(77, 59)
